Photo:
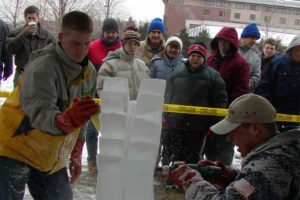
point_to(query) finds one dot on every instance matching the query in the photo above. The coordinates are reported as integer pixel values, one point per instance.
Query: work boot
(92, 167)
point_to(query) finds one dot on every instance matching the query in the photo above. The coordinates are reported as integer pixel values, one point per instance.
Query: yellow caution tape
(4, 94)
(197, 110)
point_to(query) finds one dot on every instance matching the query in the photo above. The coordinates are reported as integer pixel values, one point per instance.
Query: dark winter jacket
(280, 84)
(98, 50)
(5, 57)
(203, 87)
(265, 62)
(163, 67)
(21, 46)
(233, 68)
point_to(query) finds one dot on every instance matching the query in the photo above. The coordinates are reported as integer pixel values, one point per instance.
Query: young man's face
(130, 47)
(195, 60)
(242, 137)
(75, 44)
(269, 50)
(172, 50)
(248, 41)
(110, 35)
(155, 36)
(31, 17)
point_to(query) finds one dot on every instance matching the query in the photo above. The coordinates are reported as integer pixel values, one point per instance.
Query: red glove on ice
(183, 176)
(77, 115)
(226, 177)
(75, 160)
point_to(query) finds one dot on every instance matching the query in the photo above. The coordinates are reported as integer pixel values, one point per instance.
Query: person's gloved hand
(183, 176)
(8, 70)
(75, 160)
(226, 177)
(28, 29)
(75, 117)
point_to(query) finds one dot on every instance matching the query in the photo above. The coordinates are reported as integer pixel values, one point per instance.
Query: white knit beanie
(176, 40)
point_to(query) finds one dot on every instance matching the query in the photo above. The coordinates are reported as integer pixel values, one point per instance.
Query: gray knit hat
(110, 24)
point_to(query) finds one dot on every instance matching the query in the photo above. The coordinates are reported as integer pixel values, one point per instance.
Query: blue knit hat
(156, 23)
(250, 30)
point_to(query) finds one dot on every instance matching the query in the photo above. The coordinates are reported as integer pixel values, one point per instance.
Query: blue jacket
(280, 84)
(163, 67)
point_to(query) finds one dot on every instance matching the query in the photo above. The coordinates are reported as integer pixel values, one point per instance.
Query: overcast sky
(145, 10)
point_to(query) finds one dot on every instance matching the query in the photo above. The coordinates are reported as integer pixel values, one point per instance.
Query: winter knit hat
(250, 30)
(156, 23)
(176, 40)
(197, 48)
(110, 24)
(130, 33)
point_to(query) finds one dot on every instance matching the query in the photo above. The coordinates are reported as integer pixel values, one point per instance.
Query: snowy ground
(85, 187)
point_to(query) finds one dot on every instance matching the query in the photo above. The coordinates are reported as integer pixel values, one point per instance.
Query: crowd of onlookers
(214, 79)
(233, 68)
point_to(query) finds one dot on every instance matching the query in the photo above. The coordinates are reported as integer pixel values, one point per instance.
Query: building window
(253, 7)
(283, 10)
(237, 15)
(239, 6)
(267, 19)
(221, 13)
(178, 1)
(209, 3)
(268, 9)
(205, 12)
(224, 4)
(297, 22)
(282, 20)
(252, 17)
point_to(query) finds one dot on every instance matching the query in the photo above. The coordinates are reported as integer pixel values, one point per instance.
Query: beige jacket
(146, 53)
(119, 64)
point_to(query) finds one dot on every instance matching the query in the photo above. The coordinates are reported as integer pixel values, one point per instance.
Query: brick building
(271, 15)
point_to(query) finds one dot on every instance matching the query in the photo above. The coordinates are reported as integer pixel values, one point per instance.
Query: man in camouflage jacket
(270, 168)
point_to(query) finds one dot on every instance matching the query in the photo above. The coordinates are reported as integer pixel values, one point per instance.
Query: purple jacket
(233, 68)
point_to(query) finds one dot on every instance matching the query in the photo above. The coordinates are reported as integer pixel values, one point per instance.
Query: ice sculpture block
(130, 139)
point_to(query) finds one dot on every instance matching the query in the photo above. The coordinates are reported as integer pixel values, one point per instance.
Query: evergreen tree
(204, 36)
(186, 41)
(143, 29)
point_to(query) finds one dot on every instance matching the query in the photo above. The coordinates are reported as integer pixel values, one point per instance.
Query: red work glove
(183, 176)
(75, 160)
(77, 115)
(226, 177)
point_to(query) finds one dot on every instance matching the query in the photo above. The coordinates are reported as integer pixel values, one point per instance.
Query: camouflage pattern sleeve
(262, 178)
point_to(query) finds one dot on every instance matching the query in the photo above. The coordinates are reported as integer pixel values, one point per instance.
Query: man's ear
(257, 129)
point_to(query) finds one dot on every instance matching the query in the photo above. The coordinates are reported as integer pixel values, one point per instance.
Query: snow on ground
(85, 187)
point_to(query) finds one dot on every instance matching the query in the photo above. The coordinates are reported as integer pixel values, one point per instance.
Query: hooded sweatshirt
(233, 68)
